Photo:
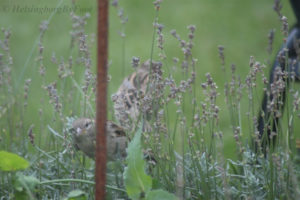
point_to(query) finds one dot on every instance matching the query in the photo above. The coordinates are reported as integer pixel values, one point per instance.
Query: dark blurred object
(290, 64)
(298, 146)
(296, 7)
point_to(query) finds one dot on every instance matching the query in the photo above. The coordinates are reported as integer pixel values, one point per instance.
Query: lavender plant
(179, 115)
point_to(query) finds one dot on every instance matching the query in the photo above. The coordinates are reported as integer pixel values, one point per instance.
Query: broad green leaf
(76, 195)
(21, 196)
(156, 184)
(12, 162)
(23, 181)
(25, 186)
(161, 195)
(137, 182)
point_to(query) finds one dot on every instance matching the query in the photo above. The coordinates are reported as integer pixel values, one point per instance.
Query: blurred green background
(241, 27)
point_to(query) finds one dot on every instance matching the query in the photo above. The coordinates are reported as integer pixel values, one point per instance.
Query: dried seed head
(30, 134)
(135, 62)
(285, 26)
(157, 4)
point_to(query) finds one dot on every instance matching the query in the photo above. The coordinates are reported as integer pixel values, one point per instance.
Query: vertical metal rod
(102, 53)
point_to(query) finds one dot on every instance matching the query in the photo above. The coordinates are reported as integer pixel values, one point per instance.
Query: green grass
(241, 27)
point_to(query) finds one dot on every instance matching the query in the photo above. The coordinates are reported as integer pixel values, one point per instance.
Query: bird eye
(87, 124)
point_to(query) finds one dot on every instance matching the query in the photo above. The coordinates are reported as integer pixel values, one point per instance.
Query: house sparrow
(84, 136)
(128, 98)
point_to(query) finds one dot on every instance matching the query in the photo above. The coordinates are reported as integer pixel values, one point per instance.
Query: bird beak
(80, 131)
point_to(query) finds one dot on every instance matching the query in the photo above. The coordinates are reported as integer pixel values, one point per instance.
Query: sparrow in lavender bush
(84, 136)
(129, 100)
(126, 99)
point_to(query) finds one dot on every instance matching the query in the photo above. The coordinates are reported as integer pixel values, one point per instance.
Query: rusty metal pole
(102, 54)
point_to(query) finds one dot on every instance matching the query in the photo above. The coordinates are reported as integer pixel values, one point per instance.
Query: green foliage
(76, 195)
(61, 67)
(25, 186)
(12, 162)
(160, 194)
(137, 182)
